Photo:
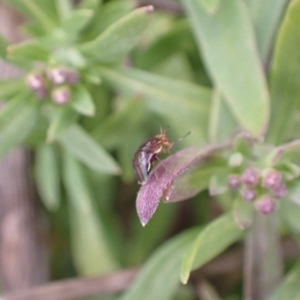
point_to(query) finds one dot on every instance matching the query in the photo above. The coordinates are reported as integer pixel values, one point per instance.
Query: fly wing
(141, 166)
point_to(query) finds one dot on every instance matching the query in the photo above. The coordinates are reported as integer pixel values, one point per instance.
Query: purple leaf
(167, 180)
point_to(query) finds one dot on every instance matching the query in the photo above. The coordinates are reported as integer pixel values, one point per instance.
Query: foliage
(99, 79)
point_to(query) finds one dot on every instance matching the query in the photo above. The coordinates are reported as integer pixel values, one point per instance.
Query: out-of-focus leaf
(222, 124)
(177, 67)
(243, 212)
(61, 119)
(161, 180)
(180, 102)
(77, 20)
(42, 11)
(116, 128)
(89, 4)
(47, 176)
(118, 39)
(211, 241)
(229, 51)
(110, 12)
(90, 249)
(289, 288)
(219, 182)
(69, 56)
(82, 101)
(207, 292)
(16, 122)
(27, 51)
(265, 16)
(210, 5)
(163, 264)
(79, 144)
(10, 87)
(64, 8)
(3, 46)
(290, 213)
(285, 90)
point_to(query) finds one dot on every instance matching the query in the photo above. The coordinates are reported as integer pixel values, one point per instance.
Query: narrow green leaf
(47, 176)
(78, 143)
(211, 241)
(3, 46)
(118, 39)
(16, 130)
(290, 213)
(228, 47)
(90, 248)
(10, 87)
(82, 101)
(43, 11)
(222, 124)
(158, 278)
(29, 50)
(77, 20)
(61, 119)
(64, 8)
(161, 94)
(90, 4)
(265, 17)
(210, 5)
(289, 288)
(285, 90)
(243, 212)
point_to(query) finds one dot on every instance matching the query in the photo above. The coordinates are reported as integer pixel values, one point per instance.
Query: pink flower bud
(265, 205)
(271, 178)
(250, 177)
(248, 194)
(72, 76)
(279, 191)
(61, 95)
(58, 75)
(234, 181)
(35, 81)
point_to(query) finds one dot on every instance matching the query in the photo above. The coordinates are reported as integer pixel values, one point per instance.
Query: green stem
(262, 258)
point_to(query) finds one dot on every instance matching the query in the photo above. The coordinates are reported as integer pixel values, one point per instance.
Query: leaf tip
(184, 278)
(149, 9)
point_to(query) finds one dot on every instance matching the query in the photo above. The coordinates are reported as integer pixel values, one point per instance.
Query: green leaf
(265, 17)
(77, 20)
(290, 213)
(161, 93)
(64, 8)
(228, 47)
(27, 51)
(211, 241)
(82, 101)
(210, 5)
(79, 144)
(42, 11)
(61, 119)
(47, 176)
(10, 87)
(222, 124)
(285, 90)
(16, 123)
(243, 212)
(3, 46)
(118, 39)
(90, 4)
(120, 125)
(289, 288)
(158, 278)
(90, 248)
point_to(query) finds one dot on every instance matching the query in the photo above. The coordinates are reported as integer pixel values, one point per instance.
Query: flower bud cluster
(260, 187)
(54, 83)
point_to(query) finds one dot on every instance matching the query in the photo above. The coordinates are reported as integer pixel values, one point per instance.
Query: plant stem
(262, 258)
